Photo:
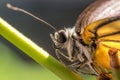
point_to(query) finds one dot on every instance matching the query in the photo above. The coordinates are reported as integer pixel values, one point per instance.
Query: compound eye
(62, 37)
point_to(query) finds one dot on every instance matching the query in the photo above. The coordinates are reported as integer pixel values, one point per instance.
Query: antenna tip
(8, 5)
(11, 7)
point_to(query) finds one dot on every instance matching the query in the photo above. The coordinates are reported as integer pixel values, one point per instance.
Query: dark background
(60, 13)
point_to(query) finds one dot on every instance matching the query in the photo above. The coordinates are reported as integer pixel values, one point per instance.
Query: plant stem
(35, 52)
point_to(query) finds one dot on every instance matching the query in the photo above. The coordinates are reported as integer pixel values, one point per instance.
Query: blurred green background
(14, 64)
(13, 68)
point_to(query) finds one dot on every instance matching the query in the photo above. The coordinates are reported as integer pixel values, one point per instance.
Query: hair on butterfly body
(78, 54)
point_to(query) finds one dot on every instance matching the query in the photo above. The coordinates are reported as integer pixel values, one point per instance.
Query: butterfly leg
(58, 53)
(79, 68)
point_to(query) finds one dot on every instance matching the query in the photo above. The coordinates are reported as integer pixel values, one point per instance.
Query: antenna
(26, 12)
